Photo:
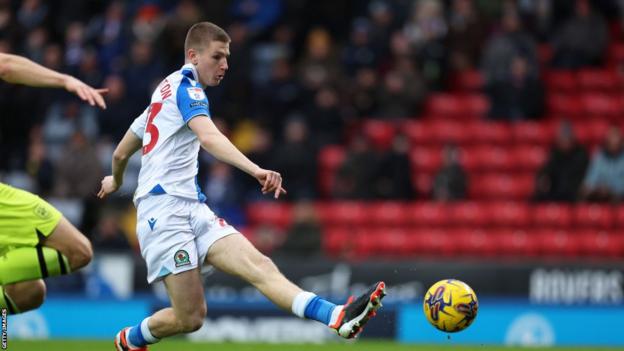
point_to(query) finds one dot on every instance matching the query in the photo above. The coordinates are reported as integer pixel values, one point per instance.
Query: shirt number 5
(151, 127)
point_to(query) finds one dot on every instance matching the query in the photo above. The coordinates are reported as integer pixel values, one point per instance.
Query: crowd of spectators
(303, 75)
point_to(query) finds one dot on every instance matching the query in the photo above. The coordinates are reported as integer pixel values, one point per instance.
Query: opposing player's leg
(71, 243)
(234, 254)
(186, 314)
(23, 296)
(35, 240)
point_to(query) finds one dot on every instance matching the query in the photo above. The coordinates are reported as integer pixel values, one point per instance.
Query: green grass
(181, 345)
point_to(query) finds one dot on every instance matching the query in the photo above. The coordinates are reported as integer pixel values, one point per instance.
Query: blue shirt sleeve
(191, 100)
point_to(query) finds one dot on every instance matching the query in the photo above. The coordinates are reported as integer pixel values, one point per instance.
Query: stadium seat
(557, 243)
(278, 214)
(489, 132)
(338, 241)
(601, 244)
(598, 80)
(470, 106)
(540, 133)
(417, 132)
(591, 132)
(594, 216)
(619, 216)
(390, 242)
(488, 158)
(426, 159)
(477, 243)
(330, 158)
(560, 81)
(433, 243)
(509, 214)
(388, 213)
(467, 81)
(517, 244)
(469, 214)
(602, 105)
(342, 213)
(448, 131)
(528, 158)
(379, 132)
(501, 186)
(431, 214)
(552, 215)
(565, 105)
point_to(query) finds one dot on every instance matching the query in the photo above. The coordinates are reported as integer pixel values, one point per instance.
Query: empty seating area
(465, 229)
(498, 218)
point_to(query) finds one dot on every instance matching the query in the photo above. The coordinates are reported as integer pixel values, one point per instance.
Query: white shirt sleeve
(138, 126)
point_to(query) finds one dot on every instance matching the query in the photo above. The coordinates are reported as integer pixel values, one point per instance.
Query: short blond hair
(201, 34)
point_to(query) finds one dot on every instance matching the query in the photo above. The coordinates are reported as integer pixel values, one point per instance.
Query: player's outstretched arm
(20, 70)
(128, 145)
(218, 145)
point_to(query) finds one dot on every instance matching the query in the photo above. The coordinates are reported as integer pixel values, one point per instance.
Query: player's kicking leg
(234, 254)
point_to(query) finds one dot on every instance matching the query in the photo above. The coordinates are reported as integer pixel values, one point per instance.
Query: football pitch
(178, 345)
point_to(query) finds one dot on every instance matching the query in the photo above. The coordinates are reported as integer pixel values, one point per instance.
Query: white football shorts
(175, 234)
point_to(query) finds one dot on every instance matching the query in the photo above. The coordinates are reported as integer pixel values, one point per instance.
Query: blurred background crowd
(398, 103)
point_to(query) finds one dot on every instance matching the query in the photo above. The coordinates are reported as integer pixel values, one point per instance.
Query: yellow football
(450, 305)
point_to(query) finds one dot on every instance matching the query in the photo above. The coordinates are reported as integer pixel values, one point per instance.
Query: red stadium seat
(553, 215)
(490, 158)
(598, 80)
(466, 81)
(469, 106)
(615, 53)
(558, 243)
(388, 214)
(489, 132)
(619, 216)
(342, 213)
(564, 105)
(330, 158)
(337, 241)
(560, 81)
(601, 244)
(469, 214)
(533, 133)
(390, 242)
(510, 214)
(428, 214)
(476, 243)
(423, 182)
(591, 132)
(529, 158)
(417, 132)
(501, 186)
(426, 159)
(380, 133)
(602, 105)
(594, 216)
(278, 214)
(446, 131)
(433, 243)
(517, 243)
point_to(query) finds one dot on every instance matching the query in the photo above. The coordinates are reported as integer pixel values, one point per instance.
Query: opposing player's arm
(218, 145)
(20, 70)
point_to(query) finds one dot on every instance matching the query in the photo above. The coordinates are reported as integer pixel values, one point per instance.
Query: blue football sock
(140, 335)
(319, 310)
(135, 337)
